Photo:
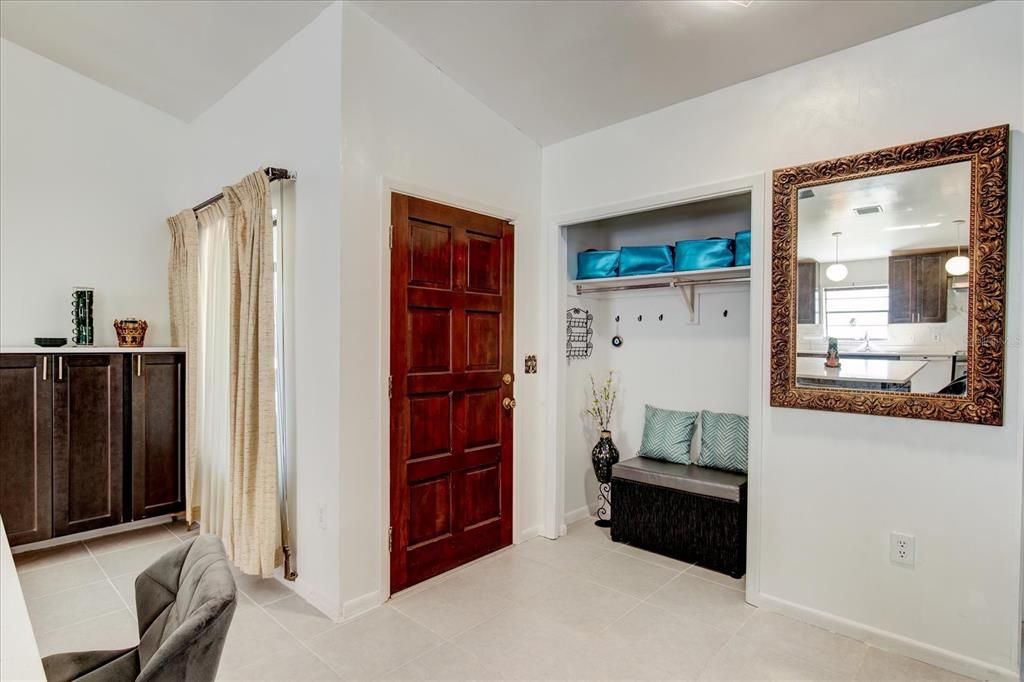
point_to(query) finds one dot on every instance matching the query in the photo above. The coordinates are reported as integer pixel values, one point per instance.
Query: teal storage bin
(704, 254)
(645, 260)
(593, 264)
(743, 247)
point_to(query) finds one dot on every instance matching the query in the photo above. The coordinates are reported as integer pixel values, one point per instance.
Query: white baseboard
(97, 533)
(573, 516)
(890, 641)
(529, 533)
(360, 605)
(325, 606)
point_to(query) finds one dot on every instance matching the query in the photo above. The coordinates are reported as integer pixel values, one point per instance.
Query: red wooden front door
(451, 388)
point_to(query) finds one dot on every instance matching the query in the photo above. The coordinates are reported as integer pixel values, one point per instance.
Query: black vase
(603, 456)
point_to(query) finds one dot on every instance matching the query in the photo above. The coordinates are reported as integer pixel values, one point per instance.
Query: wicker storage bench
(683, 511)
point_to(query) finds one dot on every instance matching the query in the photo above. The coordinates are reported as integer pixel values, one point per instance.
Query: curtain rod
(272, 174)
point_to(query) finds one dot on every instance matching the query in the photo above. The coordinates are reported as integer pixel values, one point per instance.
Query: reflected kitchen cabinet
(807, 292)
(918, 287)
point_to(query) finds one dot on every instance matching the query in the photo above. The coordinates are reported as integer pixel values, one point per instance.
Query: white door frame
(389, 185)
(556, 255)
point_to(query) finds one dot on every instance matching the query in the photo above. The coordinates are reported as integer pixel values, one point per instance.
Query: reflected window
(850, 312)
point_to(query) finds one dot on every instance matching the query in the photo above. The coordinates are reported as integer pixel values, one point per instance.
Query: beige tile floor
(579, 608)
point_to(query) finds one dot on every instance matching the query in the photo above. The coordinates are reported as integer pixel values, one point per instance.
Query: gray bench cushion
(688, 478)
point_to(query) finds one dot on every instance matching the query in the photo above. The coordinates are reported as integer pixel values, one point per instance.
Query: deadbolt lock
(508, 403)
(506, 379)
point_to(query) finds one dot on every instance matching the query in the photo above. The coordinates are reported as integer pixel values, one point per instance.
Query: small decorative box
(704, 254)
(743, 247)
(593, 264)
(645, 260)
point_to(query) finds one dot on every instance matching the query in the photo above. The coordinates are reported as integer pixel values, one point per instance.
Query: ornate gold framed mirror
(888, 281)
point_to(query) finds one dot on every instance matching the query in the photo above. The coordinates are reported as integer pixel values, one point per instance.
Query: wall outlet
(901, 548)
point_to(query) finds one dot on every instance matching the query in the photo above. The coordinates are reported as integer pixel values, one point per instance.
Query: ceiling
(553, 68)
(557, 68)
(179, 56)
(921, 204)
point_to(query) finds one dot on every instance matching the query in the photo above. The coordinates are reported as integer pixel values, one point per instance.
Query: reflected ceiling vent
(867, 210)
(805, 193)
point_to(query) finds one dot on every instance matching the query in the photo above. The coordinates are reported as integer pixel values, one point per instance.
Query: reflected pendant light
(958, 265)
(837, 271)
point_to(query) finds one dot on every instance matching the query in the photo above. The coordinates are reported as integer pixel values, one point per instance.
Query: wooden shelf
(685, 282)
(661, 279)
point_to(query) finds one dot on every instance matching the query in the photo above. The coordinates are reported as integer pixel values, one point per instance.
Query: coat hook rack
(661, 318)
(639, 318)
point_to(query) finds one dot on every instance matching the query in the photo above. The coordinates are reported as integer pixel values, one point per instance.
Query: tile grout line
(57, 563)
(76, 624)
(106, 580)
(291, 634)
(91, 583)
(110, 582)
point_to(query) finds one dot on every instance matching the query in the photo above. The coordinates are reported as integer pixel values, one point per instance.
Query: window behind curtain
(850, 311)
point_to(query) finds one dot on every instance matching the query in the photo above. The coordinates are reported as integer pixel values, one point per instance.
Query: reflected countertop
(884, 351)
(854, 369)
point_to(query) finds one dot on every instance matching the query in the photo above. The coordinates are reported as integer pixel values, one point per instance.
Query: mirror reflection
(882, 282)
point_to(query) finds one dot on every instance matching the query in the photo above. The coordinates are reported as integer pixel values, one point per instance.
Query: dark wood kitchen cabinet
(806, 292)
(918, 288)
(25, 447)
(89, 440)
(157, 433)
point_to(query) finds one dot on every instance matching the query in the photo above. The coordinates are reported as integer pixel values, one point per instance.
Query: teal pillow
(667, 435)
(723, 441)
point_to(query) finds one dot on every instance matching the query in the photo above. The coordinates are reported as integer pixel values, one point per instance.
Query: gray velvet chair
(185, 602)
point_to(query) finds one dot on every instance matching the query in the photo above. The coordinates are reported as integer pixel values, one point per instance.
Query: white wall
(407, 125)
(287, 113)
(834, 485)
(91, 217)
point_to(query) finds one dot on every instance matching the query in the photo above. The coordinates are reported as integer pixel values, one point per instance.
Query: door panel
(26, 407)
(451, 343)
(158, 430)
(87, 442)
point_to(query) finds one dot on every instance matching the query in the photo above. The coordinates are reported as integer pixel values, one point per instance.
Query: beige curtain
(183, 288)
(255, 542)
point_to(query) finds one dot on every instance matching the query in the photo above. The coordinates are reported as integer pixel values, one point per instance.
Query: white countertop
(66, 350)
(854, 369)
(905, 351)
(19, 655)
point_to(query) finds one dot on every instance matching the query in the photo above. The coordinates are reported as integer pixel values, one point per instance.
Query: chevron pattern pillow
(723, 441)
(667, 435)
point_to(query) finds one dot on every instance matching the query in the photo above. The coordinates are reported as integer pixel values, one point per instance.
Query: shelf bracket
(686, 289)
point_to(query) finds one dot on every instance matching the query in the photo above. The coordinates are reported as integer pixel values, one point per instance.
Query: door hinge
(391, 385)
(391, 236)
(391, 537)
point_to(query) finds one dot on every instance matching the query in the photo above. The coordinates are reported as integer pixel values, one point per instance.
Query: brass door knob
(508, 403)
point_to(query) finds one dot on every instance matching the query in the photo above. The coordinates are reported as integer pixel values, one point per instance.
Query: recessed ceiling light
(894, 228)
(742, 3)
(867, 210)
